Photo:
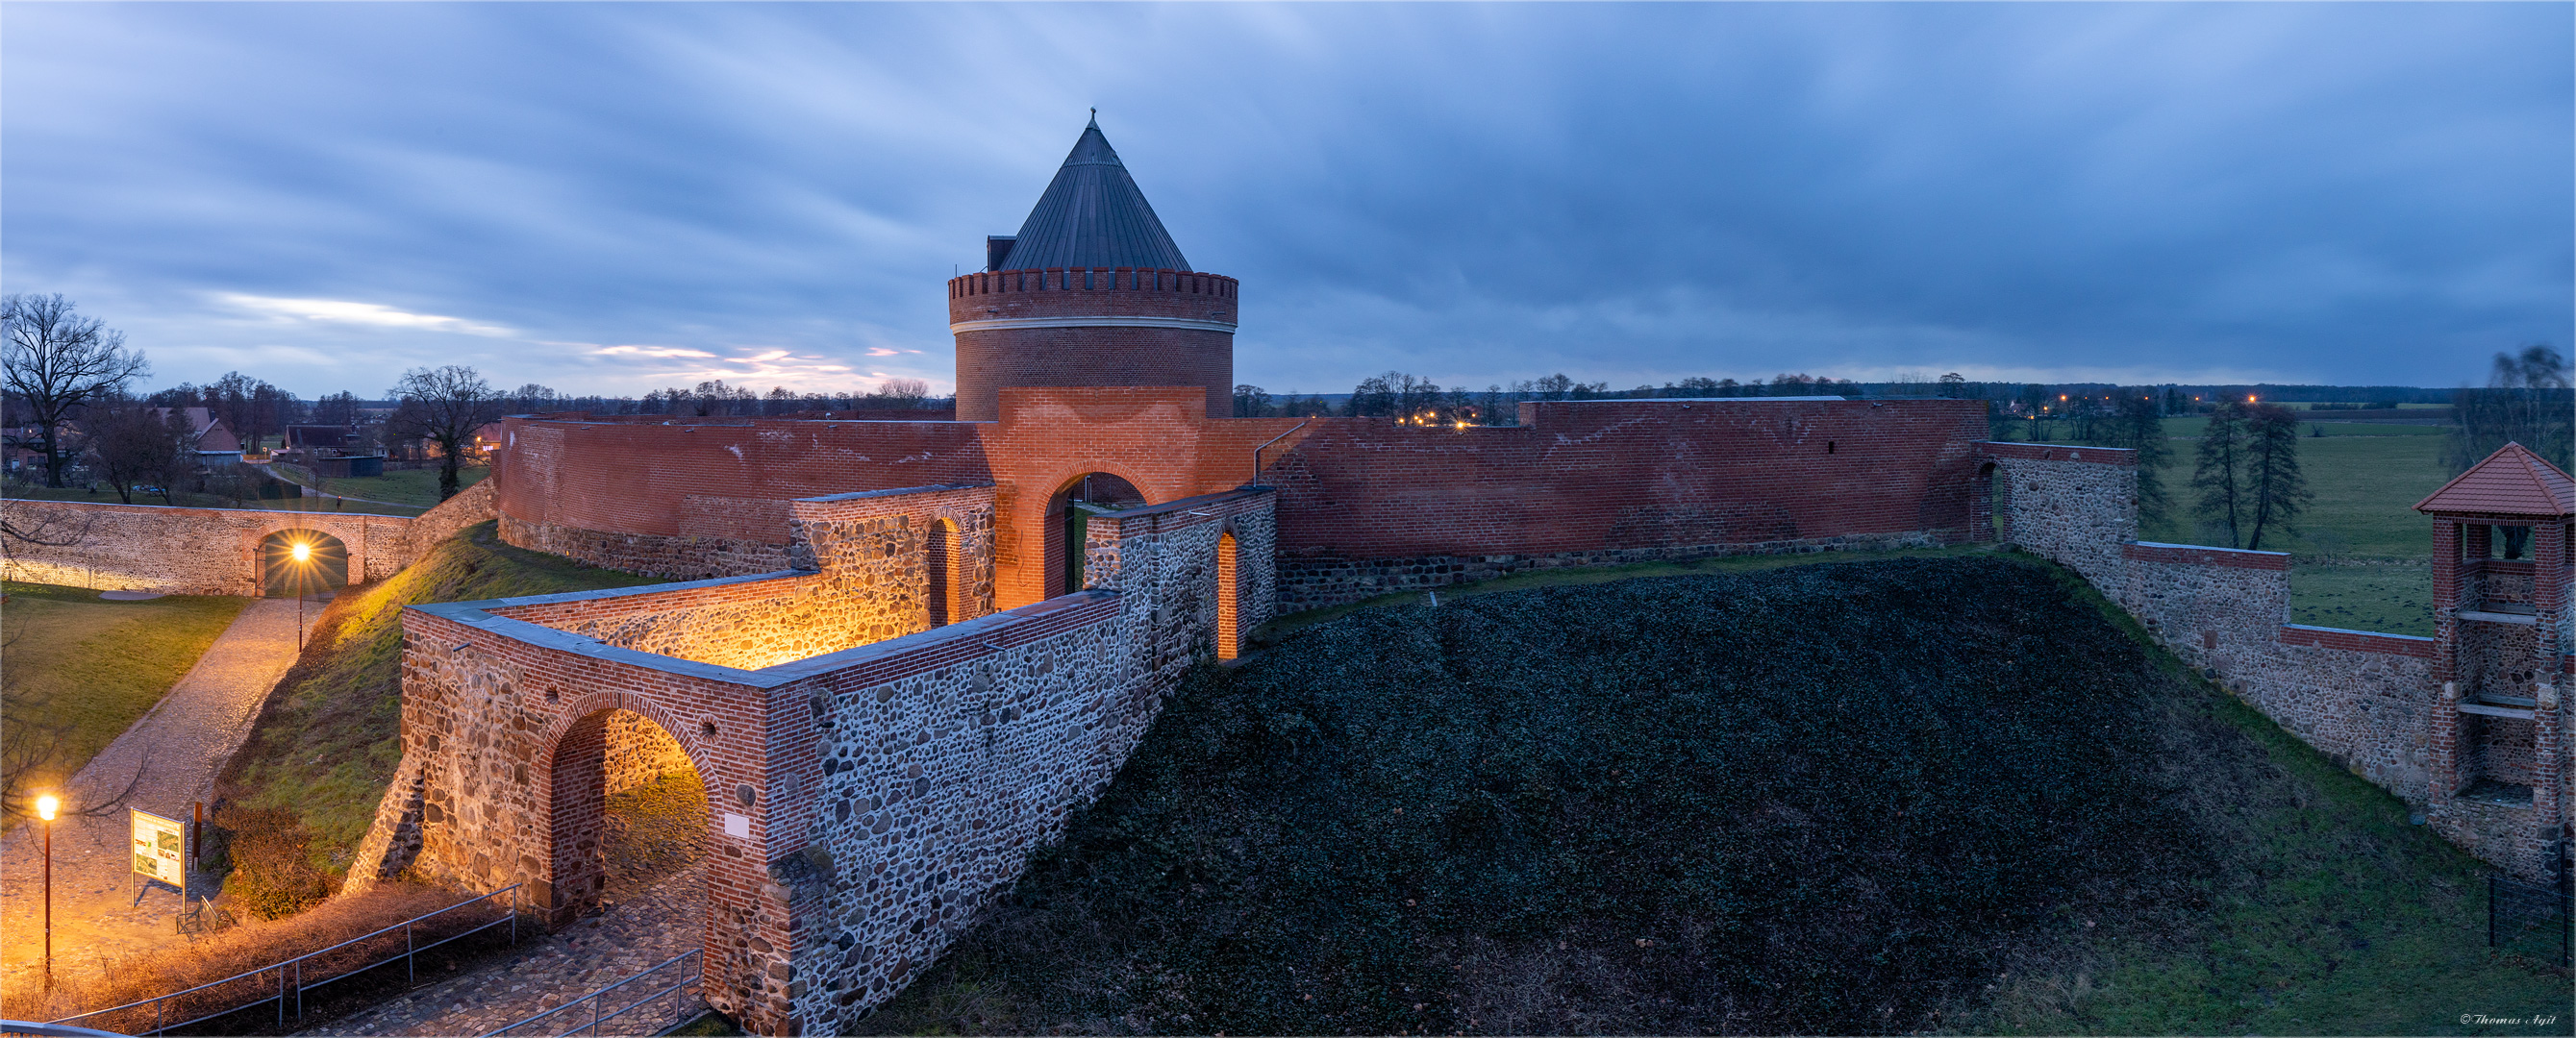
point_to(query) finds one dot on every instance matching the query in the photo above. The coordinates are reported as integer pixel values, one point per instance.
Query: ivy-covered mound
(1832, 798)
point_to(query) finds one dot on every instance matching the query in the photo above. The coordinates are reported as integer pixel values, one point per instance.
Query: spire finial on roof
(1092, 215)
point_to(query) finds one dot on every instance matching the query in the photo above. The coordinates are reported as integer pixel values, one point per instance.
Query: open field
(90, 668)
(326, 746)
(1998, 813)
(2366, 479)
(415, 487)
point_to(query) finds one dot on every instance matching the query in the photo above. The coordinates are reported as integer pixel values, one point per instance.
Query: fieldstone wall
(2076, 505)
(2365, 699)
(638, 753)
(506, 738)
(1164, 558)
(941, 762)
(679, 557)
(190, 551)
(863, 577)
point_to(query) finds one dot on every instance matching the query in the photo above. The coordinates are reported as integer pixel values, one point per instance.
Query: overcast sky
(610, 199)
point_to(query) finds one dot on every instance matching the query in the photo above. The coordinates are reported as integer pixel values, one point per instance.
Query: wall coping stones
(198, 508)
(857, 495)
(1007, 628)
(1183, 504)
(2051, 452)
(2357, 641)
(2203, 555)
(490, 604)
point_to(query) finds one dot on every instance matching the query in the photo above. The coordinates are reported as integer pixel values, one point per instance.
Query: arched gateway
(879, 748)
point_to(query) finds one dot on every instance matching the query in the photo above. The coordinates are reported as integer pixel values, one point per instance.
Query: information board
(160, 848)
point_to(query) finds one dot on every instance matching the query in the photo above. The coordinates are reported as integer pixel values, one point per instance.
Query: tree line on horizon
(69, 390)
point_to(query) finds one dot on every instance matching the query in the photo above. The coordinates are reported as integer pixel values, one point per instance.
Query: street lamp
(303, 568)
(47, 806)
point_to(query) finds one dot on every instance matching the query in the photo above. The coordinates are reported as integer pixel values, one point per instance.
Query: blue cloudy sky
(608, 198)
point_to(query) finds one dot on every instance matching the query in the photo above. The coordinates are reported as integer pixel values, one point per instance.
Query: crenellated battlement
(1092, 279)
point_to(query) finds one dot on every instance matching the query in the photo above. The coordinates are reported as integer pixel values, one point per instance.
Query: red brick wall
(1361, 497)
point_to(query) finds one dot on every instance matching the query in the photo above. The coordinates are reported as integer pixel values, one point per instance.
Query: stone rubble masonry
(2074, 504)
(867, 799)
(216, 551)
(639, 753)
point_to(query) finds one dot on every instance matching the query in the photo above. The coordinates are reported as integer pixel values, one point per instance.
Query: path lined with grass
(168, 760)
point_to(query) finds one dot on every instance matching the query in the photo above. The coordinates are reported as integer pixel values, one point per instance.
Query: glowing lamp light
(303, 552)
(47, 806)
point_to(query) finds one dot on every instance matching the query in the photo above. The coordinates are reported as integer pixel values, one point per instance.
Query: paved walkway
(630, 937)
(178, 748)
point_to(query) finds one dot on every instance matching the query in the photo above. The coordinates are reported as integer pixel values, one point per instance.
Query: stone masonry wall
(2365, 699)
(638, 753)
(1164, 559)
(188, 551)
(2076, 505)
(942, 760)
(505, 739)
(679, 557)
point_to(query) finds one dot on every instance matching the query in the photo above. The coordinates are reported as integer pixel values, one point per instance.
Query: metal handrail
(158, 1002)
(687, 977)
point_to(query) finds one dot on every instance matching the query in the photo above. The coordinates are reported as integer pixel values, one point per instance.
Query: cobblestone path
(177, 747)
(629, 937)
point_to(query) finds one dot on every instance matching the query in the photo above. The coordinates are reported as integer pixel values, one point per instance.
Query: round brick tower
(1091, 292)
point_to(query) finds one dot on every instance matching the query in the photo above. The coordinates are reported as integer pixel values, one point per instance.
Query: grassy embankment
(322, 752)
(1834, 798)
(78, 670)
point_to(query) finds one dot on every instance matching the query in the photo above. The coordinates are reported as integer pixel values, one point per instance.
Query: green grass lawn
(86, 668)
(415, 487)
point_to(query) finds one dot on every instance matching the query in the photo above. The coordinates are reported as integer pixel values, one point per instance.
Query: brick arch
(581, 723)
(351, 535)
(1053, 549)
(266, 549)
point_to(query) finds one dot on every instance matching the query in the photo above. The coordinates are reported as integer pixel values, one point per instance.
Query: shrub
(270, 858)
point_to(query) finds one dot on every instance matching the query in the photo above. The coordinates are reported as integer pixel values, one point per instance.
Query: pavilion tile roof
(1093, 215)
(2511, 481)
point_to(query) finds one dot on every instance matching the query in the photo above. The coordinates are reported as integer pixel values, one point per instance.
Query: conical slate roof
(2512, 481)
(1092, 215)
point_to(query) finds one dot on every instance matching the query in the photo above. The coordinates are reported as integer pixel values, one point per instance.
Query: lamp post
(303, 568)
(46, 807)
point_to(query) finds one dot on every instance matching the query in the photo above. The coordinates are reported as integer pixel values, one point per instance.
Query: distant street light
(47, 806)
(303, 553)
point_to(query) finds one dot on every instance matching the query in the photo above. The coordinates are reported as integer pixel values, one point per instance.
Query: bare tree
(56, 362)
(129, 445)
(2526, 401)
(339, 408)
(445, 406)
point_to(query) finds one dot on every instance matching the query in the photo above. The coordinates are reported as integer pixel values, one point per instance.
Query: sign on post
(160, 852)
